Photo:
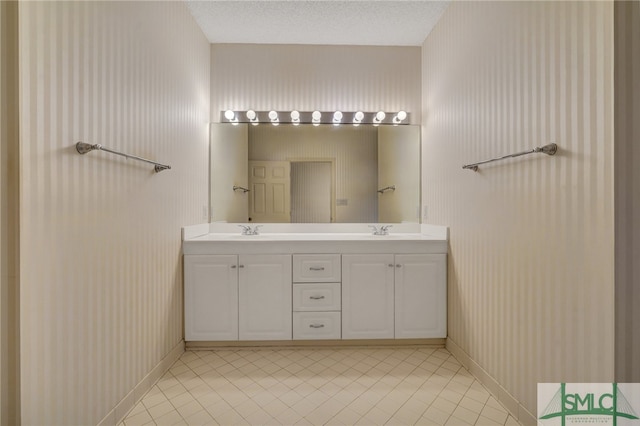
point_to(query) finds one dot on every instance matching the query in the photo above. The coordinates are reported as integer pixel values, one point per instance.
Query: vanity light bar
(311, 117)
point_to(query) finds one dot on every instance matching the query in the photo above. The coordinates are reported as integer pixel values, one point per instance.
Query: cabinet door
(421, 296)
(210, 297)
(265, 297)
(367, 296)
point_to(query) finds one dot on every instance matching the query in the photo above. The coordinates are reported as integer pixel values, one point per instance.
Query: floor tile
(201, 418)
(471, 404)
(287, 417)
(436, 416)
(161, 409)
(484, 421)
(376, 416)
(327, 386)
(511, 421)
(138, 419)
(495, 414)
(465, 414)
(169, 419)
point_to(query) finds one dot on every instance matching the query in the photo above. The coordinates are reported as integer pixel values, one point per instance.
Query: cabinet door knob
(240, 266)
(315, 268)
(316, 297)
(391, 265)
(316, 325)
(233, 266)
(398, 266)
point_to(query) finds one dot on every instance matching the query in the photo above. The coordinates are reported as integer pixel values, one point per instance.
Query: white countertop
(226, 238)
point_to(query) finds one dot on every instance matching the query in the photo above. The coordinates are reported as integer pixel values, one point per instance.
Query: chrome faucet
(248, 230)
(383, 230)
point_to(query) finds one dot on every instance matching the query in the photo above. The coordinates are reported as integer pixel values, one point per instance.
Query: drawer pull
(316, 297)
(314, 268)
(316, 325)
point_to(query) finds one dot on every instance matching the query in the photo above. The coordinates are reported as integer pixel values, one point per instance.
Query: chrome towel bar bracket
(84, 148)
(388, 188)
(549, 149)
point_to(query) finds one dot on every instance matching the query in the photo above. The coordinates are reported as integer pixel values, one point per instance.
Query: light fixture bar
(326, 117)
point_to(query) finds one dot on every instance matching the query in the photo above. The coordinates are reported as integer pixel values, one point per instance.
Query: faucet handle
(245, 229)
(255, 229)
(375, 229)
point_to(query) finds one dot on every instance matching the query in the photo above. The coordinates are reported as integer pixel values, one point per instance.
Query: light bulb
(401, 115)
(315, 118)
(295, 117)
(251, 115)
(229, 115)
(273, 116)
(380, 116)
(337, 117)
(358, 116)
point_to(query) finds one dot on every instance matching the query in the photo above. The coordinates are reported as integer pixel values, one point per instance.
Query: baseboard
(285, 344)
(505, 398)
(119, 412)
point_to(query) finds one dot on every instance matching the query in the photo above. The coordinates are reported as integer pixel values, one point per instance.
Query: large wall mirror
(315, 174)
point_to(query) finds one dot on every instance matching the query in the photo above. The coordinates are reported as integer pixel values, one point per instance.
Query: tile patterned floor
(337, 386)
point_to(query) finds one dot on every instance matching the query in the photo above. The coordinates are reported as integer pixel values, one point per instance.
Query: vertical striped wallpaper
(308, 77)
(100, 264)
(531, 277)
(4, 255)
(627, 189)
(9, 131)
(354, 150)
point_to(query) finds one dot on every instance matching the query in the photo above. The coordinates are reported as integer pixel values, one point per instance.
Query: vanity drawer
(317, 297)
(313, 268)
(316, 325)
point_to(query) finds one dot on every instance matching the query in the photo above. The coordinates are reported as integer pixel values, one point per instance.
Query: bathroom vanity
(308, 282)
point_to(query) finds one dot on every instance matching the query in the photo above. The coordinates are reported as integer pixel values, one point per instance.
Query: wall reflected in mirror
(315, 174)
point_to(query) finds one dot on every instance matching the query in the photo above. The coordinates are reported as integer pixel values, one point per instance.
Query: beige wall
(9, 363)
(308, 77)
(627, 189)
(100, 267)
(531, 277)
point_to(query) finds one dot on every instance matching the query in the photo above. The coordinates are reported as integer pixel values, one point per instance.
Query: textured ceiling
(356, 22)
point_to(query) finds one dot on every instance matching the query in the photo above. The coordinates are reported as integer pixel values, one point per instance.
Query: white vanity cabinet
(304, 282)
(367, 296)
(420, 296)
(264, 282)
(211, 297)
(231, 297)
(394, 296)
